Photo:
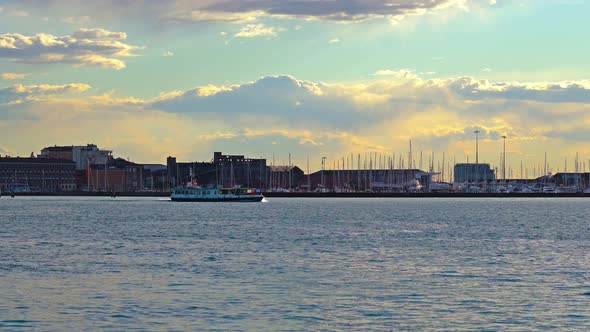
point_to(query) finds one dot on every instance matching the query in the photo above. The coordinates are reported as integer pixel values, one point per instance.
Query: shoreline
(318, 195)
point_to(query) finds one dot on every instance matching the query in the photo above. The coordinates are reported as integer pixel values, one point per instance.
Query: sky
(311, 78)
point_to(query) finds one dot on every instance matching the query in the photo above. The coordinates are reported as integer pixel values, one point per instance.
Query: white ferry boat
(198, 194)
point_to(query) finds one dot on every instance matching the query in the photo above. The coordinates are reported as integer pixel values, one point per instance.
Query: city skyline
(150, 79)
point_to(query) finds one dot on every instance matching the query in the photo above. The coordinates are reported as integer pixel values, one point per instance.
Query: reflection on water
(293, 264)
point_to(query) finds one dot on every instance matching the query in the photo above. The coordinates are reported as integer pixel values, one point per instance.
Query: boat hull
(218, 199)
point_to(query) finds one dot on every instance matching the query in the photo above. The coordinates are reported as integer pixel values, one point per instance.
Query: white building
(81, 154)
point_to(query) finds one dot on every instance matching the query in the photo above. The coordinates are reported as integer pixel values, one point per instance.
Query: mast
(410, 156)
(443, 168)
(545, 164)
(358, 172)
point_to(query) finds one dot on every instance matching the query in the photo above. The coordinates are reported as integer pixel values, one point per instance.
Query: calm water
(295, 264)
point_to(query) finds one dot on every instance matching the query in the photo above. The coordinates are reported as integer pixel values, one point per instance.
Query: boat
(198, 194)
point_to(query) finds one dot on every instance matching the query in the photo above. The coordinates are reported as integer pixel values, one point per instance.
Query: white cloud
(18, 13)
(212, 16)
(76, 19)
(98, 34)
(334, 41)
(12, 76)
(257, 30)
(86, 47)
(168, 53)
(487, 70)
(19, 93)
(401, 73)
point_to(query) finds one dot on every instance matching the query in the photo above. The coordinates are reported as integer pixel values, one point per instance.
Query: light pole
(504, 159)
(476, 146)
(476, 155)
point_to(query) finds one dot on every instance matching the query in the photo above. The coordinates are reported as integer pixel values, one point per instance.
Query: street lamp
(476, 146)
(504, 159)
(476, 155)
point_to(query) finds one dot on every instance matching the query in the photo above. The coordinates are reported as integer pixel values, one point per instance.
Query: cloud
(76, 19)
(437, 113)
(248, 11)
(18, 13)
(257, 30)
(168, 53)
(550, 92)
(333, 41)
(12, 76)
(316, 118)
(19, 93)
(86, 47)
(344, 11)
(401, 73)
(98, 34)
(211, 16)
(6, 151)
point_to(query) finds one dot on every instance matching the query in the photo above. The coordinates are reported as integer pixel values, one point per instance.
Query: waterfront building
(83, 155)
(473, 173)
(117, 175)
(285, 177)
(155, 177)
(180, 173)
(223, 170)
(571, 179)
(37, 174)
(237, 170)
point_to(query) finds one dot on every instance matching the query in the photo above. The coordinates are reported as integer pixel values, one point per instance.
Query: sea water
(410, 264)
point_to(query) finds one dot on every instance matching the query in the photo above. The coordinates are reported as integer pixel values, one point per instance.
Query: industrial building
(571, 179)
(37, 174)
(223, 170)
(473, 173)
